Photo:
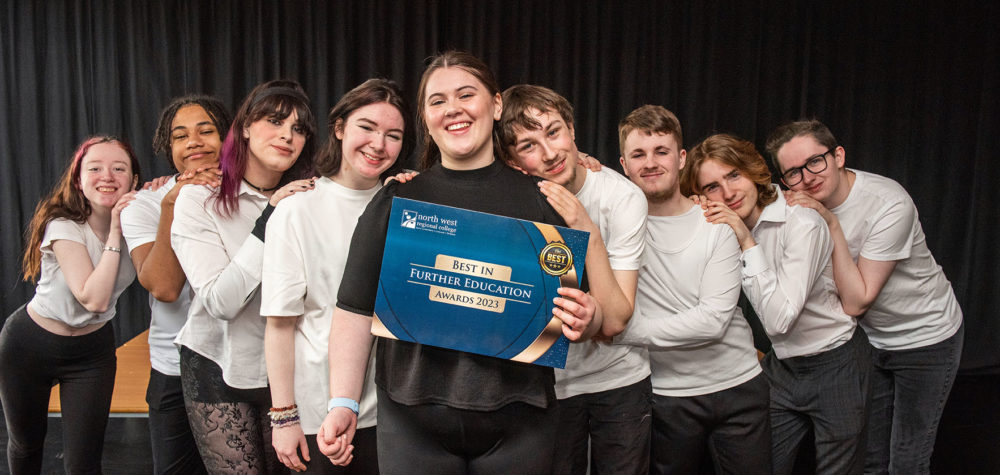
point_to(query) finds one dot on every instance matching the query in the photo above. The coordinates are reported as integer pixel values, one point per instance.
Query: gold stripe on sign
(553, 329)
(379, 329)
(541, 344)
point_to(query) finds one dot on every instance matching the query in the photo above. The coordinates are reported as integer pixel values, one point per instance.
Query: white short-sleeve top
(917, 306)
(53, 298)
(619, 210)
(308, 238)
(140, 221)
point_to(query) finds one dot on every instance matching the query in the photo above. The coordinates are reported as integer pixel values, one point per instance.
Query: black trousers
(616, 424)
(733, 425)
(438, 439)
(174, 450)
(31, 360)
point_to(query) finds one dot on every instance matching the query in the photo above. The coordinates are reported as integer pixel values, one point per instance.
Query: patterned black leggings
(230, 426)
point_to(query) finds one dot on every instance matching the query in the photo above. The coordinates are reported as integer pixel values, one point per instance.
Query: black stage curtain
(909, 88)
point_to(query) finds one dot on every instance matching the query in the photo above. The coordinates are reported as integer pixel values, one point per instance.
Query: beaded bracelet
(283, 409)
(290, 421)
(284, 416)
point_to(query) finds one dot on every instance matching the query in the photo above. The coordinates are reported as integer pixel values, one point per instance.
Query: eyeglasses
(815, 164)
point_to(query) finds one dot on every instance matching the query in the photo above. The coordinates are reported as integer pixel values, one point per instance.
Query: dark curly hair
(215, 109)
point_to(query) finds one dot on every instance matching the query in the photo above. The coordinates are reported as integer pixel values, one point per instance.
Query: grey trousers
(828, 393)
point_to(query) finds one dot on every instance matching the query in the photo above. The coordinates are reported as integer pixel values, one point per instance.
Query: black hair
(215, 109)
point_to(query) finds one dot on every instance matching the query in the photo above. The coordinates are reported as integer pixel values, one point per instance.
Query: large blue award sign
(476, 282)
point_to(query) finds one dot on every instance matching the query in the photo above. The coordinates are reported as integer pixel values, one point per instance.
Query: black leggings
(365, 461)
(174, 450)
(31, 360)
(230, 426)
(438, 439)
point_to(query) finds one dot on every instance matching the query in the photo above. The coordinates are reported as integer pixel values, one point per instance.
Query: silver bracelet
(113, 249)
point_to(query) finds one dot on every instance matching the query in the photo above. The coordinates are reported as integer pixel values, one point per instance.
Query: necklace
(262, 190)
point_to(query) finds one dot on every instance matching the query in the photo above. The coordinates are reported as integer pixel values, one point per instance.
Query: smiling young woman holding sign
(448, 411)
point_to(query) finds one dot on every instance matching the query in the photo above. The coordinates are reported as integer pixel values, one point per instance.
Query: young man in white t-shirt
(708, 388)
(884, 273)
(604, 390)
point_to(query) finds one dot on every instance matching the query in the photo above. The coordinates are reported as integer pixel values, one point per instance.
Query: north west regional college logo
(434, 223)
(409, 219)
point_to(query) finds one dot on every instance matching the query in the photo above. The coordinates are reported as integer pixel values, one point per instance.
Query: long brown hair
(431, 155)
(66, 200)
(372, 91)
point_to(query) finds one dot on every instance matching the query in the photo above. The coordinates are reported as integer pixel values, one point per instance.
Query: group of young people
(262, 259)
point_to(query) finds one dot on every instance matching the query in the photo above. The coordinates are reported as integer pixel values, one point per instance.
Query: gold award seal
(556, 259)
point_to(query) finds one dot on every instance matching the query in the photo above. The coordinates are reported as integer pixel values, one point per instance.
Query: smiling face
(106, 174)
(275, 144)
(459, 112)
(653, 162)
(728, 185)
(549, 151)
(194, 139)
(825, 186)
(371, 139)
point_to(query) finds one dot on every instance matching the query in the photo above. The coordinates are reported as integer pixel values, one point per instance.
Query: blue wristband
(343, 402)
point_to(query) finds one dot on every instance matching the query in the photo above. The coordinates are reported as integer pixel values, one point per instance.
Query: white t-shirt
(619, 209)
(222, 262)
(788, 278)
(53, 298)
(917, 306)
(308, 238)
(140, 220)
(685, 309)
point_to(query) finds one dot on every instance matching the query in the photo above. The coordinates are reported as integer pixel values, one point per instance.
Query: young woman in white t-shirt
(76, 254)
(189, 135)
(217, 235)
(308, 238)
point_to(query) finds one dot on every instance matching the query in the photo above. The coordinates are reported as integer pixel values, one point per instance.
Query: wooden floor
(130, 381)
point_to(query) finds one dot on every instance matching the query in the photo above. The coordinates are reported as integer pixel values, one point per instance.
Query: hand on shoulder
(297, 186)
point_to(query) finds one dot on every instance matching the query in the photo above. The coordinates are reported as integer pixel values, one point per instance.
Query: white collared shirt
(140, 221)
(788, 278)
(222, 262)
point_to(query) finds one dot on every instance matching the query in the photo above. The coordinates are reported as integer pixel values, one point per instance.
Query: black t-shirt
(412, 373)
